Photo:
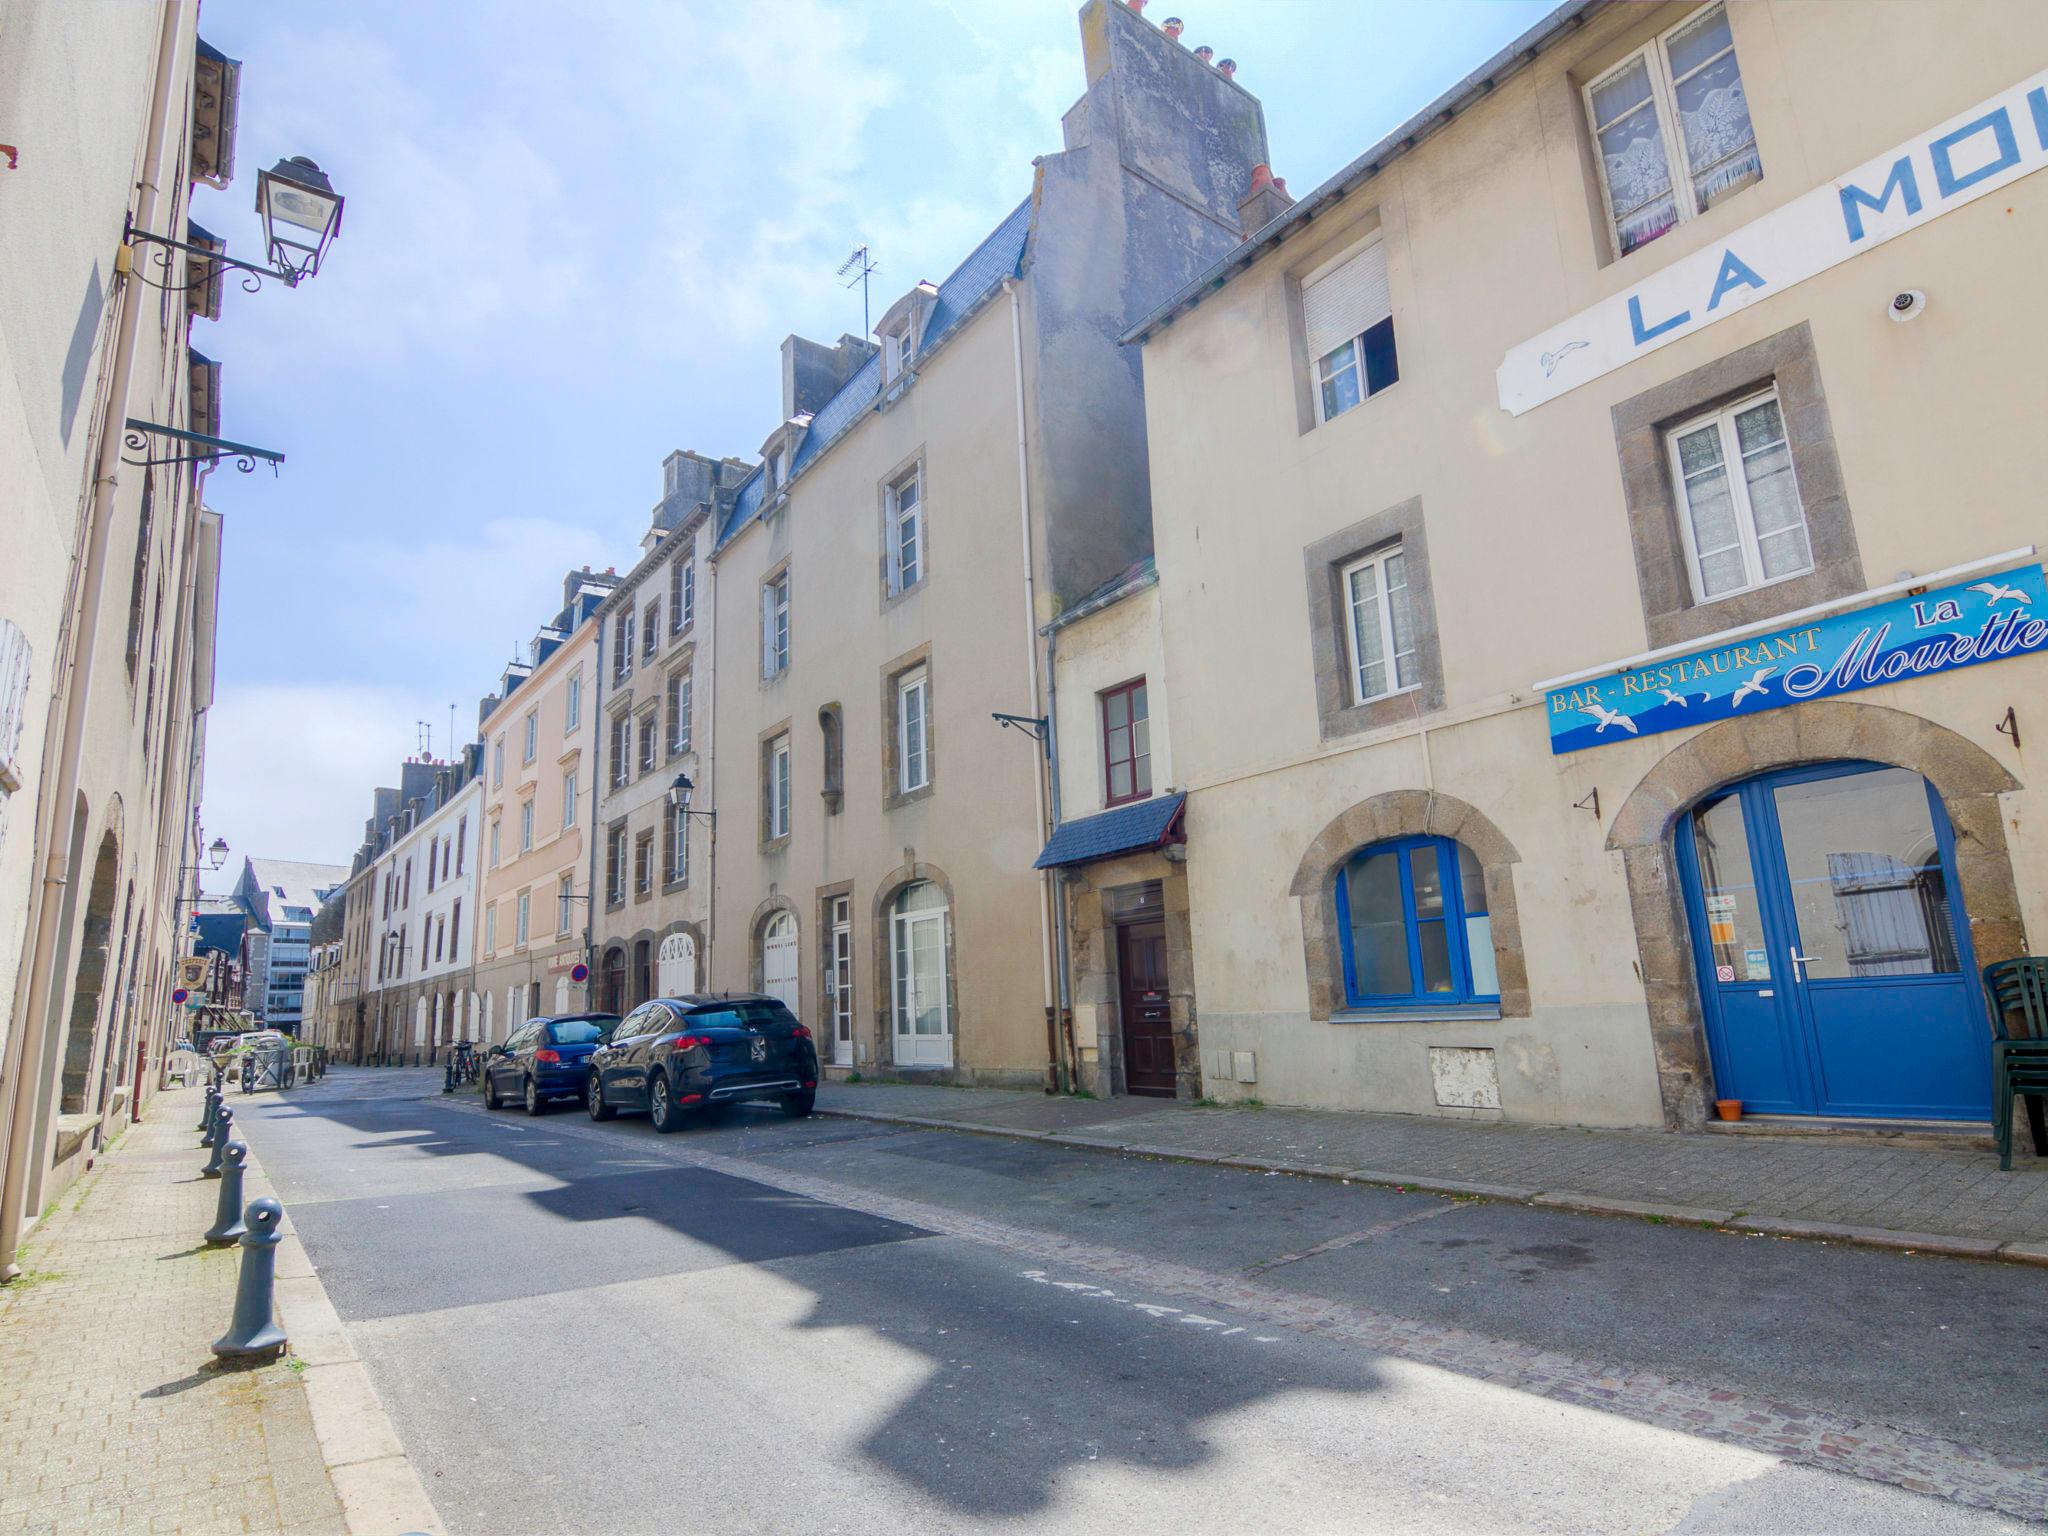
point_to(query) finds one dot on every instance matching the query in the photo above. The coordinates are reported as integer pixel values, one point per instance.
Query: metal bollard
(222, 1127)
(206, 1116)
(253, 1334)
(206, 1111)
(448, 1077)
(227, 1211)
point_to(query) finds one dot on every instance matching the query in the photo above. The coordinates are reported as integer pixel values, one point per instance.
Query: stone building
(420, 994)
(107, 589)
(927, 500)
(539, 733)
(1596, 535)
(280, 898)
(653, 880)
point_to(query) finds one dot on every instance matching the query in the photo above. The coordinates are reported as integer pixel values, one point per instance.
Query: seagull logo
(1550, 360)
(1995, 594)
(1754, 685)
(1608, 717)
(1678, 698)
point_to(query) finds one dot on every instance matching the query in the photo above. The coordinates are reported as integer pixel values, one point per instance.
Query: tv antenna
(426, 739)
(862, 268)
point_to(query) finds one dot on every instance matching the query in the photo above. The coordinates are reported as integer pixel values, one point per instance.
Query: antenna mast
(862, 268)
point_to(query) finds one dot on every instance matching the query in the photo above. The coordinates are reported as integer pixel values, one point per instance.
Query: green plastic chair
(2018, 991)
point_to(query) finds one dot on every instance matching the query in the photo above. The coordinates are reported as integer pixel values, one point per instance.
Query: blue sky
(567, 251)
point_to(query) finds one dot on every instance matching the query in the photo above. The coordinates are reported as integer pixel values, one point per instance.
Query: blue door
(1833, 949)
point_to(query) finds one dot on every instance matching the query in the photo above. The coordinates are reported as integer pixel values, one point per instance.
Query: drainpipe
(62, 798)
(1063, 963)
(598, 737)
(708, 758)
(1038, 777)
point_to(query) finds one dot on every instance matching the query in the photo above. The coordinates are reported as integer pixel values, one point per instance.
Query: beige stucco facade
(1538, 539)
(106, 600)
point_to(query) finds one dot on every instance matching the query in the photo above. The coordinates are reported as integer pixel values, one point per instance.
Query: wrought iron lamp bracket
(208, 450)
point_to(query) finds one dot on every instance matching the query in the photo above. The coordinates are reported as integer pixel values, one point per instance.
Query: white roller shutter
(1347, 301)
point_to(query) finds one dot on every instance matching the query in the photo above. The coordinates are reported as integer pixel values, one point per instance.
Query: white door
(840, 979)
(778, 961)
(677, 974)
(924, 1024)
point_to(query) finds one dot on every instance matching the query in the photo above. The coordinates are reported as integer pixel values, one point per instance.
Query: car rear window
(742, 1013)
(578, 1032)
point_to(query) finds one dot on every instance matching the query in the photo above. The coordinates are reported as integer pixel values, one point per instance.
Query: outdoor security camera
(1909, 305)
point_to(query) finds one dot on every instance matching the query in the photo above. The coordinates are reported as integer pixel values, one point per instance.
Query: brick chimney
(1264, 203)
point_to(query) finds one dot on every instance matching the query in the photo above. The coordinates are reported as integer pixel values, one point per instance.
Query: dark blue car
(545, 1060)
(675, 1055)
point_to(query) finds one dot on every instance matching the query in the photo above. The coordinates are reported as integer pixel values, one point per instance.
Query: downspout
(598, 737)
(1062, 967)
(62, 798)
(708, 758)
(1056, 1062)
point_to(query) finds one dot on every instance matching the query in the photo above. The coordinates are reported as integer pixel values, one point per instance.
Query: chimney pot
(1227, 68)
(1137, 7)
(1173, 26)
(1205, 53)
(1280, 185)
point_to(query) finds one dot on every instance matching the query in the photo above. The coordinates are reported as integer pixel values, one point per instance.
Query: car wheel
(661, 1106)
(491, 1099)
(799, 1105)
(535, 1104)
(593, 1099)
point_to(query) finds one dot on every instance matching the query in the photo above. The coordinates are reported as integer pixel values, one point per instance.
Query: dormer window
(895, 352)
(781, 470)
(672, 474)
(898, 330)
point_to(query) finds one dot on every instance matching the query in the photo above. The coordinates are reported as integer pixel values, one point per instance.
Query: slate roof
(304, 885)
(996, 258)
(1127, 829)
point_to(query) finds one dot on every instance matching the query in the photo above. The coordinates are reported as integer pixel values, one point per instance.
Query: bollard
(227, 1211)
(221, 1131)
(448, 1077)
(253, 1334)
(206, 1111)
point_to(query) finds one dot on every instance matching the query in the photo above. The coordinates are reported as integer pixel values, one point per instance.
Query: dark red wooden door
(1147, 1016)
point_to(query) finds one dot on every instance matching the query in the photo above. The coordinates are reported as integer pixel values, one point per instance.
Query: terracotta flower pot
(1728, 1109)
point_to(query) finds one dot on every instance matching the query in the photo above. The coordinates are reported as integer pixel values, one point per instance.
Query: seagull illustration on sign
(1678, 698)
(1550, 360)
(1995, 594)
(1754, 685)
(1608, 717)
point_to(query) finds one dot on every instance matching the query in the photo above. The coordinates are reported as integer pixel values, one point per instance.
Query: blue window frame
(1414, 926)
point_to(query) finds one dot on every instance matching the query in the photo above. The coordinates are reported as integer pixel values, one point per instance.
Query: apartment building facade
(425, 899)
(1596, 547)
(280, 898)
(106, 595)
(539, 735)
(653, 921)
(926, 502)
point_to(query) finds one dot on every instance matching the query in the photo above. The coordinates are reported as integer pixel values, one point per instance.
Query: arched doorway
(643, 971)
(779, 960)
(678, 966)
(920, 976)
(612, 981)
(90, 978)
(1834, 960)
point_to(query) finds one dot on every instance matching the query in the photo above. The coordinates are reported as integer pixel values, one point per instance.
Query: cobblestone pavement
(1848, 1182)
(114, 1419)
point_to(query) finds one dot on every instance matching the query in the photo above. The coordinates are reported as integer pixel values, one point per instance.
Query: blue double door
(1833, 948)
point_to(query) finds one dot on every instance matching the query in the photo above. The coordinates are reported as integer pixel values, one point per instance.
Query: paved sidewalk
(116, 1418)
(1898, 1194)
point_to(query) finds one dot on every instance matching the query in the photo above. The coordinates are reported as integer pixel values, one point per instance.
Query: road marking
(1805, 1436)
(1151, 1309)
(1364, 1235)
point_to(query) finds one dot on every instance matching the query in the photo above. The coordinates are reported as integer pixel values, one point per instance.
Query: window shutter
(1346, 302)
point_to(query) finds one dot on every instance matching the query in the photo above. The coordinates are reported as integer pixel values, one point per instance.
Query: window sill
(775, 844)
(1459, 1013)
(909, 797)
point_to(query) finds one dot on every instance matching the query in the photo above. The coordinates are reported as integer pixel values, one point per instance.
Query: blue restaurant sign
(1959, 626)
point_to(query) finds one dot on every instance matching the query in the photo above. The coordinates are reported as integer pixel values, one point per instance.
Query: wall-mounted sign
(1958, 626)
(180, 995)
(1972, 154)
(579, 972)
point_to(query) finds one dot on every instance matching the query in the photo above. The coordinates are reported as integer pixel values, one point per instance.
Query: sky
(573, 241)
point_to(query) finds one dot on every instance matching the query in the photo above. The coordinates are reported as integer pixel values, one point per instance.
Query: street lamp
(679, 798)
(217, 855)
(301, 216)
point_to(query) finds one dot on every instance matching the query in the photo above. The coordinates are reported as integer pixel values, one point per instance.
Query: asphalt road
(836, 1326)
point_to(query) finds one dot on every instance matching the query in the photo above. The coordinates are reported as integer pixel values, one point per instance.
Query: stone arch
(882, 957)
(694, 932)
(89, 976)
(757, 928)
(1968, 779)
(1379, 819)
(611, 979)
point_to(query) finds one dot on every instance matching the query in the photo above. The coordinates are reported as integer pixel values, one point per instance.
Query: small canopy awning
(1127, 829)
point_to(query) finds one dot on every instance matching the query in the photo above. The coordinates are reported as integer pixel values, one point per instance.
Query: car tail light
(545, 1054)
(691, 1098)
(810, 1082)
(801, 1031)
(689, 1042)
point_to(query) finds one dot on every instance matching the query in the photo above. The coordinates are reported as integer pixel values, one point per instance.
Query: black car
(546, 1059)
(673, 1055)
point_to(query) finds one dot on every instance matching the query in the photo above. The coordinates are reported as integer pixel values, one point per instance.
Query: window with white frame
(1347, 312)
(565, 902)
(678, 848)
(530, 744)
(780, 480)
(494, 845)
(1378, 625)
(905, 501)
(679, 703)
(569, 799)
(572, 701)
(775, 625)
(1672, 130)
(895, 351)
(498, 763)
(491, 929)
(525, 913)
(682, 595)
(622, 644)
(652, 640)
(775, 788)
(650, 740)
(1739, 508)
(622, 749)
(913, 731)
(526, 826)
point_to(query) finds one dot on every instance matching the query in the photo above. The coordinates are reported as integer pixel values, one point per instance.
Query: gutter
(1567, 20)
